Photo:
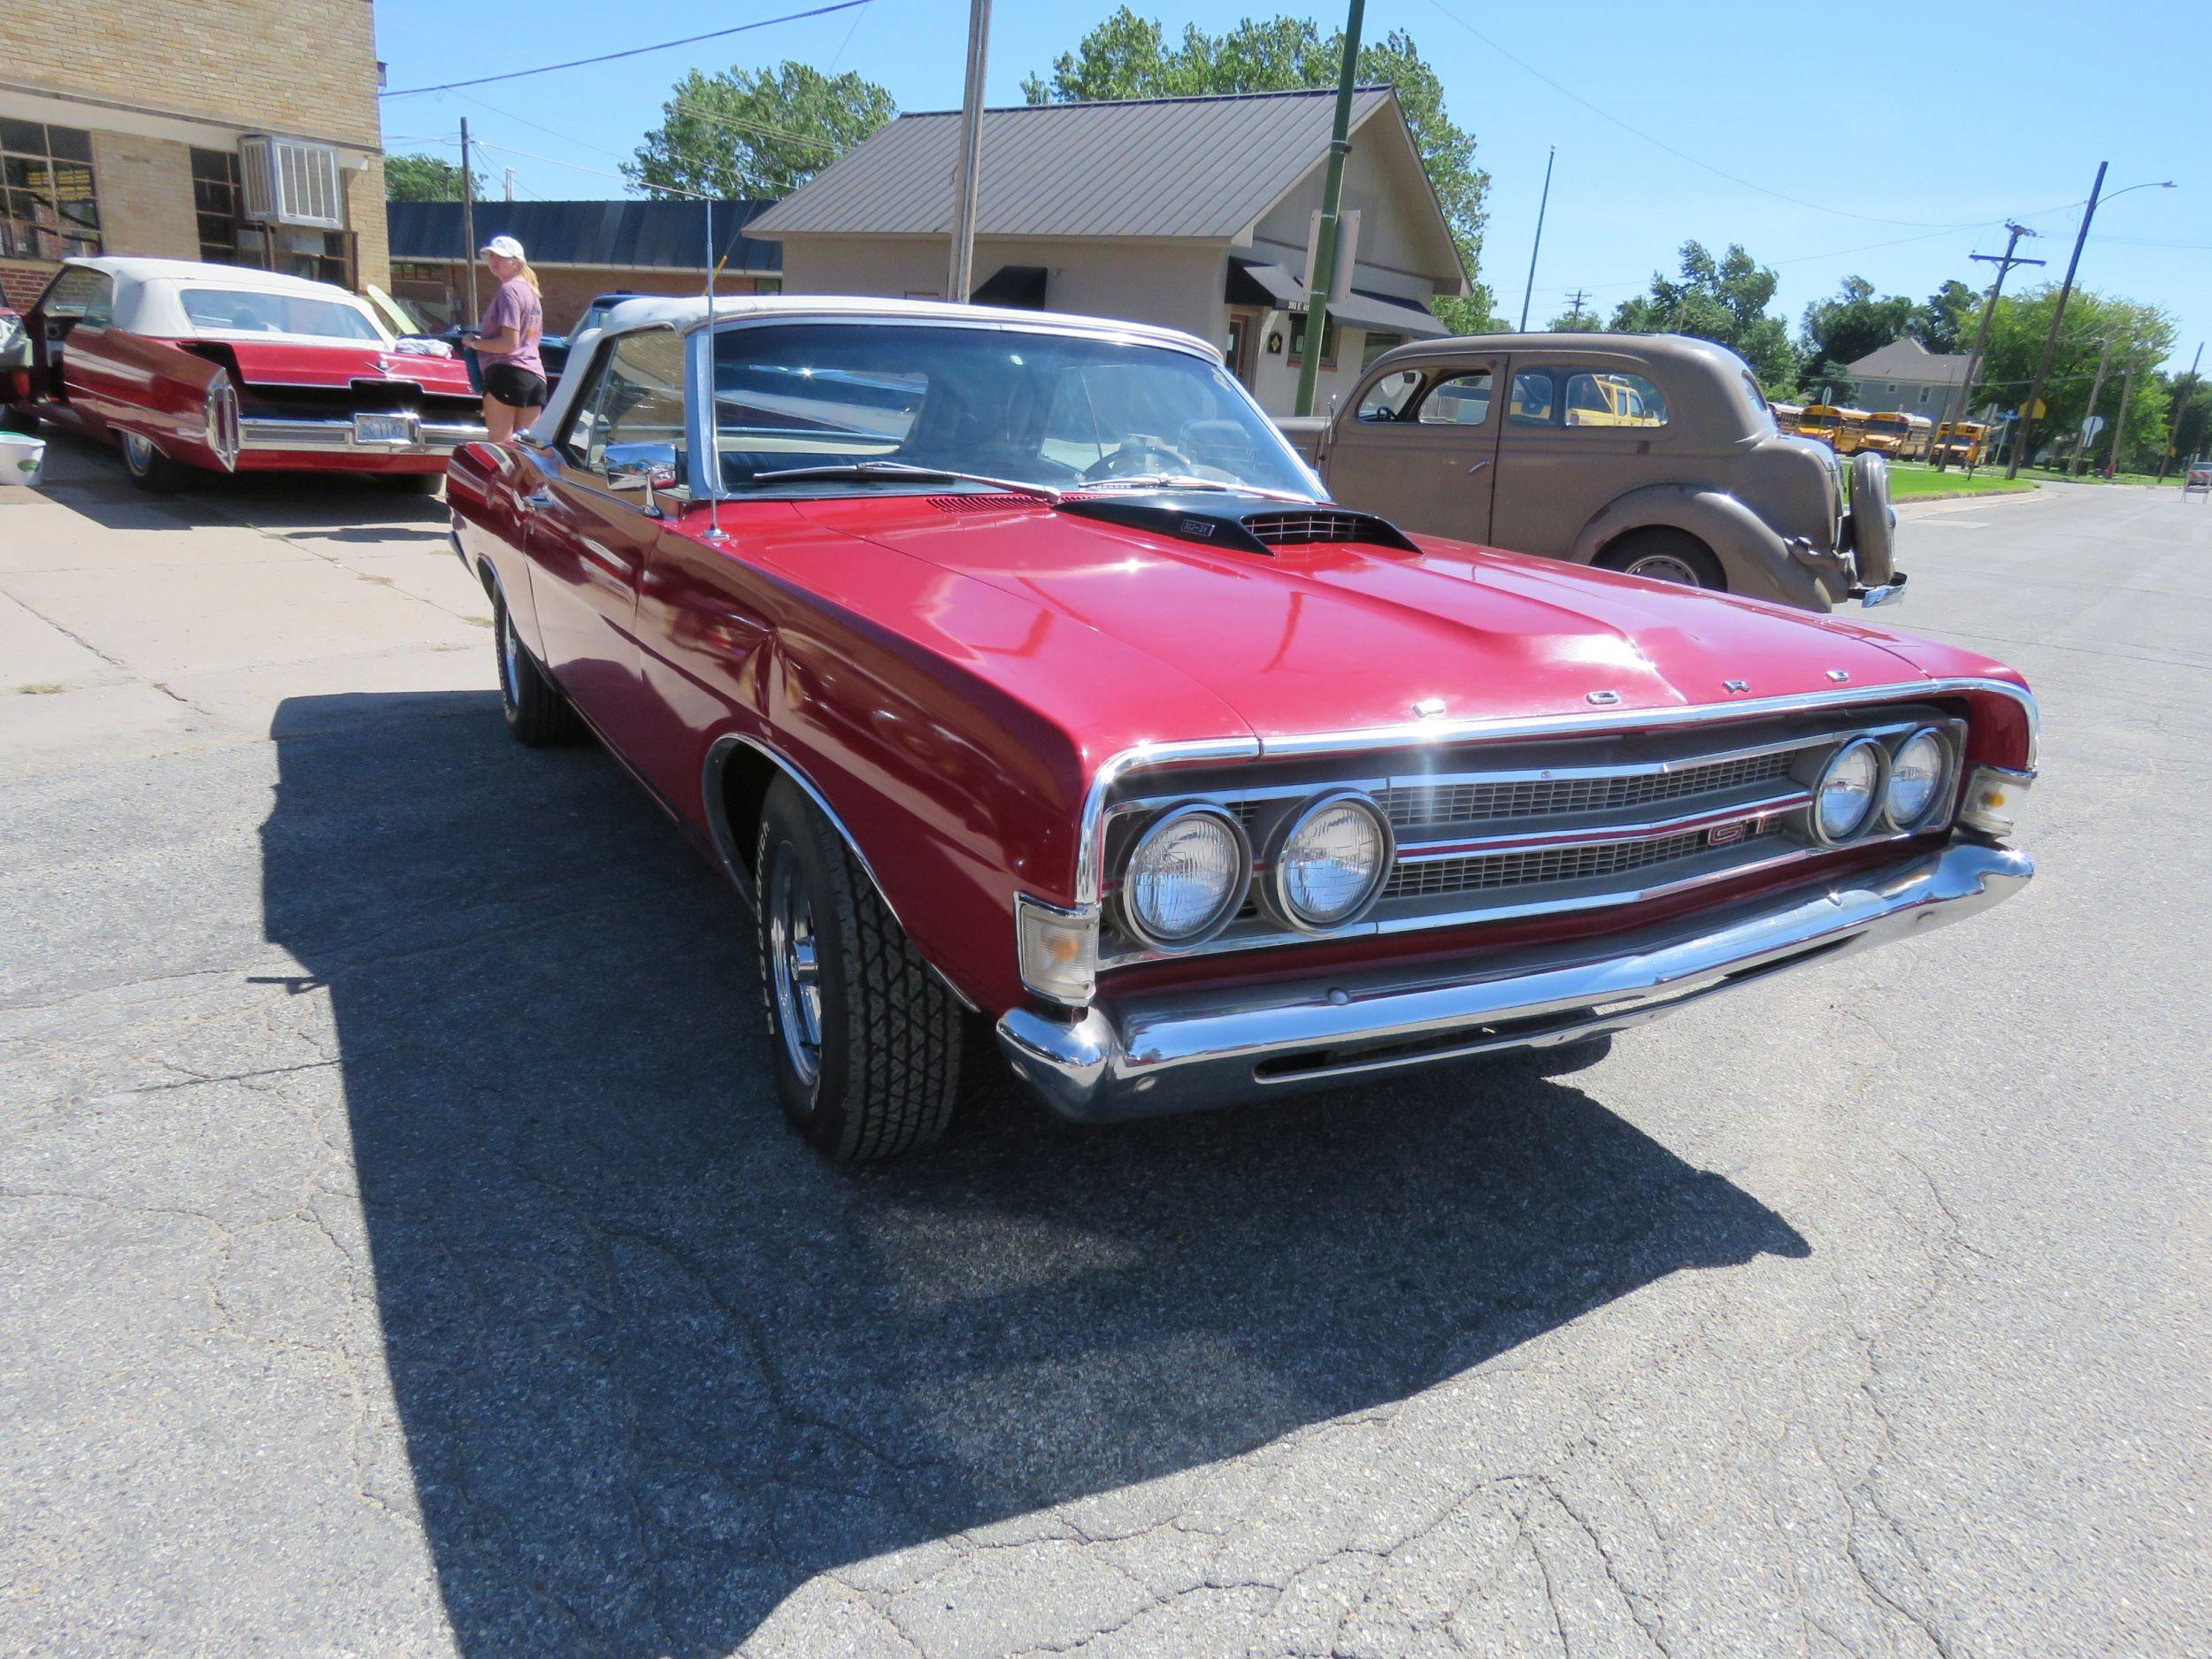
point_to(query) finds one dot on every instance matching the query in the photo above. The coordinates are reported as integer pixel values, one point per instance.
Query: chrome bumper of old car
(339, 437)
(1190, 1049)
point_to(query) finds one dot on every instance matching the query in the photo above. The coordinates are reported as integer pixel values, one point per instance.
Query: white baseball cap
(505, 247)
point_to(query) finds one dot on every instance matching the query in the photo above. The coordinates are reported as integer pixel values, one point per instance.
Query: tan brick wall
(307, 68)
(145, 186)
(365, 214)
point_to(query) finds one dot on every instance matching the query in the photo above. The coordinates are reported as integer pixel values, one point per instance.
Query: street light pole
(1544, 203)
(960, 282)
(2024, 432)
(1317, 297)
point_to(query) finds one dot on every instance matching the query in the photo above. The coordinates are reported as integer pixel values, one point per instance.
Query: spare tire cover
(1873, 534)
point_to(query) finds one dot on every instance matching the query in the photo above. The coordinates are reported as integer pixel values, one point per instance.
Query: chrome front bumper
(336, 437)
(1191, 1049)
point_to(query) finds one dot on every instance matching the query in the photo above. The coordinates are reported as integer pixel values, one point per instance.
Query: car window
(1534, 392)
(1462, 401)
(635, 414)
(78, 294)
(254, 311)
(1389, 399)
(1613, 398)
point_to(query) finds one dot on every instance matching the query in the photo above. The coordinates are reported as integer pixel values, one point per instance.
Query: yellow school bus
(1895, 432)
(1789, 416)
(1824, 421)
(1960, 443)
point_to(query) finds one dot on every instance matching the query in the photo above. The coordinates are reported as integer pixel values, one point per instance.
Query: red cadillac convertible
(1026, 684)
(226, 369)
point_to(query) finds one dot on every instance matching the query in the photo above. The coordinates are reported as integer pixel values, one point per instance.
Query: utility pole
(1332, 197)
(2180, 405)
(2004, 263)
(2025, 430)
(511, 184)
(2120, 426)
(960, 284)
(468, 222)
(1542, 204)
(1575, 299)
(2096, 390)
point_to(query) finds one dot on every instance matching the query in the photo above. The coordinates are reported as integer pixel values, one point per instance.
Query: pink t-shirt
(516, 306)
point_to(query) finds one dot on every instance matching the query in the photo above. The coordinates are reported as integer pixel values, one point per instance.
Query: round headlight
(1187, 876)
(1915, 772)
(1849, 786)
(1332, 860)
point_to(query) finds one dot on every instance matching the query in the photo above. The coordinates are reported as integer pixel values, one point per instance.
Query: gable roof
(1907, 359)
(1199, 167)
(649, 235)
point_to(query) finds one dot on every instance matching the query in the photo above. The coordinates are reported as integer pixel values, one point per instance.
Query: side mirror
(645, 476)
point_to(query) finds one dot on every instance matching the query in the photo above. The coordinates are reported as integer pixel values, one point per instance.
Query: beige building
(240, 131)
(1196, 213)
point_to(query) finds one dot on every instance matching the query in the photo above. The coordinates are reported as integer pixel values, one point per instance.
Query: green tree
(1943, 322)
(1128, 57)
(756, 134)
(1722, 300)
(419, 178)
(1838, 331)
(2142, 335)
(1577, 323)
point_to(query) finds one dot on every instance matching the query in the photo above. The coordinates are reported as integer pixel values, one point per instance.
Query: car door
(66, 324)
(1419, 447)
(1578, 433)
(591, 525)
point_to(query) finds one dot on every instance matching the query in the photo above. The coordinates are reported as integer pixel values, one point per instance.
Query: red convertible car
(226, 369)
(1022, 677)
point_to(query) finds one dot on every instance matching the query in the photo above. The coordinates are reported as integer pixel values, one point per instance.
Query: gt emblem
(1603, 699)
(1721, 835)
(1735, 685)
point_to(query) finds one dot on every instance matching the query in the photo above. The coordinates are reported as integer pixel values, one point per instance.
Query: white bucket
(20, 459)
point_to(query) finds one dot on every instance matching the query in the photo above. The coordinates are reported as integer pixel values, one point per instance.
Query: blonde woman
(507, 342)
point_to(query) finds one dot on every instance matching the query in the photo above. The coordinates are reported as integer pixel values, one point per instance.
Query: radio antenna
(714, 447)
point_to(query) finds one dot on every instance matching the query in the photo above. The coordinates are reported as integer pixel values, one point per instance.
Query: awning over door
(1255, 282)
(1380, 313)
(1017, 285)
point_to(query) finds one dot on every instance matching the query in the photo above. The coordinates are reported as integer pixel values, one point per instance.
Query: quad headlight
(1332, 860)
(1917, 773)
(1849, 789)
(1185, 876)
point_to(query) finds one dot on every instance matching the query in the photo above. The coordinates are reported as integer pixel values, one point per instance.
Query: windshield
(1060, 410)
(249, 311)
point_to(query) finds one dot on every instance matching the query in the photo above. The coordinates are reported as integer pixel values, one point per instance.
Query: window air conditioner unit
(290, 181)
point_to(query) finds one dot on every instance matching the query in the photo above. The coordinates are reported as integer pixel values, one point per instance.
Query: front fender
(1757, 562)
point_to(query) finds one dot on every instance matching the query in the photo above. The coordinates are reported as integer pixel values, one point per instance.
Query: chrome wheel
(509, 659)
(139, 453)
(793, 965)
(1664, 567)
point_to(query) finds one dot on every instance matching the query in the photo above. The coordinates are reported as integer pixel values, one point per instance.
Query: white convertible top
(147, 291)
(689, 312)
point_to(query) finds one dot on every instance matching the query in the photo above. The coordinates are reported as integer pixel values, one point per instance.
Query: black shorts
(517, 388)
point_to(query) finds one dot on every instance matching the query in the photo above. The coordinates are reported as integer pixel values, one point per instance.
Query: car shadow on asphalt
(656, 1365)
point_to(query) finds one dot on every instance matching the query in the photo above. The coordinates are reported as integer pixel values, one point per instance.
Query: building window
(215, 198)
(1376, 345)
(1298, 340)
(768, 285)
(49, 208)
(1923, 397)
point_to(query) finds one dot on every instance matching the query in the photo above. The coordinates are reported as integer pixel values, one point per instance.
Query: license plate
(382, 429)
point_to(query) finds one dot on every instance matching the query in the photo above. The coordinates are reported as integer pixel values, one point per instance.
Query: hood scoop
(1211, 521)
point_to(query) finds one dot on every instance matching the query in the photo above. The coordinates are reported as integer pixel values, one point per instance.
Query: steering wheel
(1135, 456)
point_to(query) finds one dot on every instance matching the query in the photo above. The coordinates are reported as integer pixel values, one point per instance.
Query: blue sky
(1759, 91)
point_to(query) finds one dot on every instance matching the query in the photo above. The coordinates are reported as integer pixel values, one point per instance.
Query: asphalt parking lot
(401, 1252)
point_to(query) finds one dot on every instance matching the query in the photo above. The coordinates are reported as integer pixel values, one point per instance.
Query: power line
(635, 51)
(1679, 155)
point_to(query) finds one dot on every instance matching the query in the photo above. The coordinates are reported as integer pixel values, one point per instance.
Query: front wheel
(866, 1041)
(1665, 555)
(537, 713)
(149, 469)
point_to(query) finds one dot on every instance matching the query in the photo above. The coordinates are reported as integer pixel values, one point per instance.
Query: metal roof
(663, 236)
(1202, 167)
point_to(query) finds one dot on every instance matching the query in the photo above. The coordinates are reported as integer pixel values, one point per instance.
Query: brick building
(135, 126)
(579, 249)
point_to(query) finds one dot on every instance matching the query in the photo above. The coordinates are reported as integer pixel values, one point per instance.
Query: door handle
(1476, 468)
(538, 498)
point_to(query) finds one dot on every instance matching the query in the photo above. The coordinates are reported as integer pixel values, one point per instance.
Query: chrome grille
(1296, 529)
(1548, 797)
(1489, 871)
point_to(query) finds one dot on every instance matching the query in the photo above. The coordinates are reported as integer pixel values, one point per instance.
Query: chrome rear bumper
(1191, 1049)
(429, 437)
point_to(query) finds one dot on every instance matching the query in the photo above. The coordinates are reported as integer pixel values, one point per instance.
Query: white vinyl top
(689, 312)
(147, 295)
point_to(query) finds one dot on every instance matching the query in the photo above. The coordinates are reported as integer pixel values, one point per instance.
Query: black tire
(14, 419)
(879, 1073)
(1681, 556)
(149, 469)
(418, 483)
(537, 713)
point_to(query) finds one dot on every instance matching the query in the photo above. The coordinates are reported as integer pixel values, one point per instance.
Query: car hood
(339, 362)
(1340, 636)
